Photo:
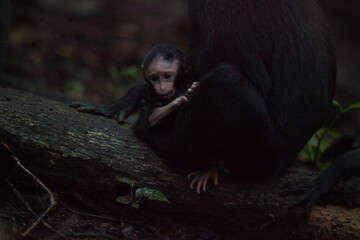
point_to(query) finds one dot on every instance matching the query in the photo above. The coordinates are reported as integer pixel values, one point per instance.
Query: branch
(78, 154)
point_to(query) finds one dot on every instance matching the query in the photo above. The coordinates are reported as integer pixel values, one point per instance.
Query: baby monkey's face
(161, 74)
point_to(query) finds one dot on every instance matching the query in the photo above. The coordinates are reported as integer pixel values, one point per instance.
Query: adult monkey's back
(267, 74)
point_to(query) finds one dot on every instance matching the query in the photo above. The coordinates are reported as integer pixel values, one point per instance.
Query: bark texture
(80, 155)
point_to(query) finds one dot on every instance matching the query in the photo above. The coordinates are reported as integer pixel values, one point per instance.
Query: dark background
(91, 49)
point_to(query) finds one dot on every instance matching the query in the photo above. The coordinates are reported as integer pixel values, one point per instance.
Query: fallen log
(79, 154)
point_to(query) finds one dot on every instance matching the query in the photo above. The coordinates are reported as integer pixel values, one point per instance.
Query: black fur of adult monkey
(256, 111)
(266, 72)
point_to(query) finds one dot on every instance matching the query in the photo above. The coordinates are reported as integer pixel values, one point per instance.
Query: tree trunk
(77, 154)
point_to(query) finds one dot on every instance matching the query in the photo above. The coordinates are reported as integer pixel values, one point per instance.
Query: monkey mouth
(167, 95)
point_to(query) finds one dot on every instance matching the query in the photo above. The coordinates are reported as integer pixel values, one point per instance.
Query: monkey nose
(162, 89)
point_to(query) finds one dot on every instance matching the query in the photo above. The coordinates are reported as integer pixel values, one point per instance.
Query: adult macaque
(344, 154)
(266, 72)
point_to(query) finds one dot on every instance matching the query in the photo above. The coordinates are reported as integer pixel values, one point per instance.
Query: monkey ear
(186, 64)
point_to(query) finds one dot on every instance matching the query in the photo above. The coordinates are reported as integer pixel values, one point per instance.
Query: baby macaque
(164, 89)
(164, 71)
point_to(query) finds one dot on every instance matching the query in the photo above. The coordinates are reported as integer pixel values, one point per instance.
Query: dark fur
(170, 54)
(344, 153)
(159, 135)
(143, 92)
(267, 74)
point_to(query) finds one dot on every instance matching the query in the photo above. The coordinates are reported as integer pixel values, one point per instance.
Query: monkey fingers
(83, 107)
(77, 104)
(179, 101)
(193, 86)
(122, 116)
(201, 178)
(88, 109)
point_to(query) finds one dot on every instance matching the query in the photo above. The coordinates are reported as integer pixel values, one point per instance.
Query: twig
(52, 199)
(32, 211)
(93, 235)
(103, 217)
(7, 216)
(91, 215)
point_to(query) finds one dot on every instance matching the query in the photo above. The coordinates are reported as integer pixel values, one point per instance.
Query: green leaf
(124, 199)
(126, 180)
(139, 193)
(152, 194)
(305, 155)
(313, 140)
(135, 205)
(75, 88)
(321, 131)
(336, 103)
(323, 166)
(334, 134)
(353, 106)
(325, 143)
(132, 71)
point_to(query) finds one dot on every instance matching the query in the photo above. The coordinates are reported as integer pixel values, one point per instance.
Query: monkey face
(161, 74)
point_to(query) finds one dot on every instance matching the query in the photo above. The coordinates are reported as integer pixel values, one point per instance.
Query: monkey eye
(167, 75)
(154, 79)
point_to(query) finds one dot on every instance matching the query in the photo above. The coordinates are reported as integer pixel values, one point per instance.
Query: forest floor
(76, 221)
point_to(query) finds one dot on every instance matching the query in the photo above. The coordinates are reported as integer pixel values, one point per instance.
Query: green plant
(75, 88)
(123, 79)
(133, 199)
(317, 144)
